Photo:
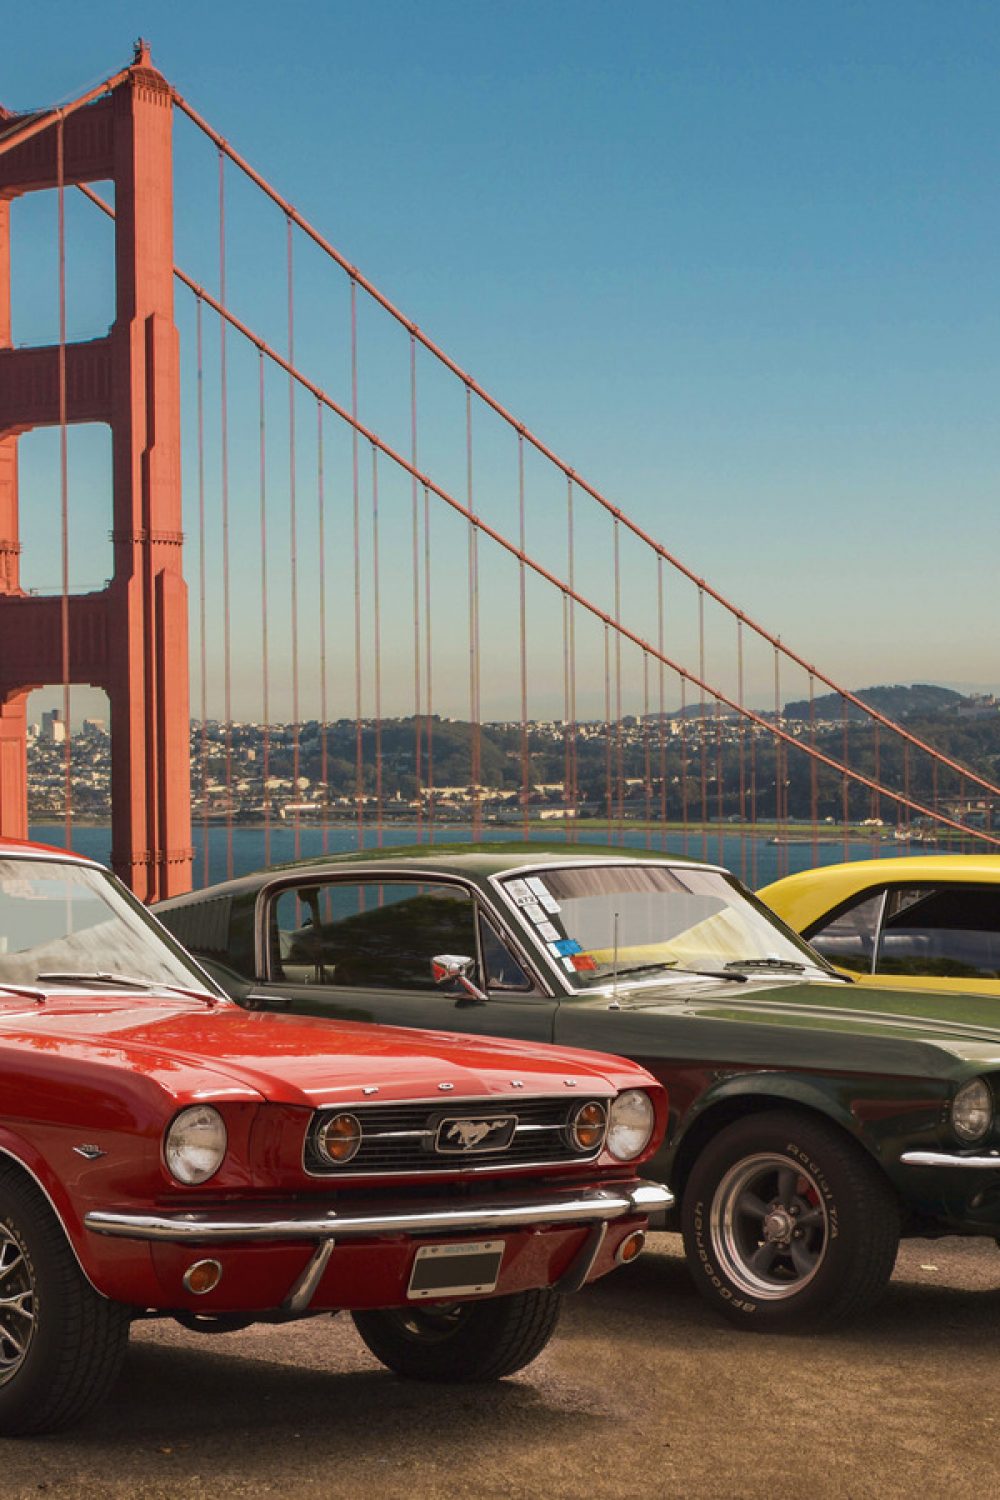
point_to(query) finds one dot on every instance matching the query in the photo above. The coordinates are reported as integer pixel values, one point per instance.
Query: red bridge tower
(130, 638)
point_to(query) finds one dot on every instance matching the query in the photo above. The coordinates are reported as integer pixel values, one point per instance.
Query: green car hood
(789, 1023)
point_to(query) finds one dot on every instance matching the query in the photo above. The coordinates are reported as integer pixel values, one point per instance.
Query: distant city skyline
(736, 264)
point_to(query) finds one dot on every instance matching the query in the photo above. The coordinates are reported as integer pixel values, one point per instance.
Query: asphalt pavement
(642, 1392)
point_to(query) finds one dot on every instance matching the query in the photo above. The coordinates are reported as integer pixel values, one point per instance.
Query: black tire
(61, 1343)
(463, 1341)
(788, 1224)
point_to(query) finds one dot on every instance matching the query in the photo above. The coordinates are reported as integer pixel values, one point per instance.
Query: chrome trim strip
(304, 1290)
(276, 1224)
(581, 1266)
(951, 1159)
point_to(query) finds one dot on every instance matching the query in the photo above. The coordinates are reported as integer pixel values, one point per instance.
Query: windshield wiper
(678, 973)
(778, 965)
(28, 991)
(124, 981)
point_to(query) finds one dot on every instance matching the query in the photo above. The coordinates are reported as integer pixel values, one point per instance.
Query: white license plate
(455, 1270)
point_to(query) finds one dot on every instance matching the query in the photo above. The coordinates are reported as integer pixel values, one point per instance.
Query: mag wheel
(787, 1224)
(61, 1343)
(462, 1340)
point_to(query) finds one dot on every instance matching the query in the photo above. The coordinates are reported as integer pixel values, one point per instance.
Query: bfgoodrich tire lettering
(61, 1343)
(462, 1341)
(787, 1224)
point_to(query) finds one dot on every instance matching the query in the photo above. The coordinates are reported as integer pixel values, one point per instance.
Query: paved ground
(642, 1392)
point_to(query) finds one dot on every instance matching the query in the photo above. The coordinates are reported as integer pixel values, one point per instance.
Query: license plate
(455, 1270)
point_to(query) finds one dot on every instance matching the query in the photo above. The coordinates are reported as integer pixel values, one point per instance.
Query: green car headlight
(972, 1110)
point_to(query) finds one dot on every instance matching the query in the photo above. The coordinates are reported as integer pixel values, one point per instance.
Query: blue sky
(736, 262)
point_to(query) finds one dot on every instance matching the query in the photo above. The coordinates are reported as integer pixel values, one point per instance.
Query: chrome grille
(398, 1138)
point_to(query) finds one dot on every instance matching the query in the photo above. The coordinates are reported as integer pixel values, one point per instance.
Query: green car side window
(368, 933)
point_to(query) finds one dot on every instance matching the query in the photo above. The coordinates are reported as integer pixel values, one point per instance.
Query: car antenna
(615, 1003)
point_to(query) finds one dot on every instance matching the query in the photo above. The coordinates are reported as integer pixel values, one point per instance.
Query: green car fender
(736, 1096)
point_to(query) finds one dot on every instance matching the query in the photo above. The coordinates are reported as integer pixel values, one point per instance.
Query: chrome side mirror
(455, 968)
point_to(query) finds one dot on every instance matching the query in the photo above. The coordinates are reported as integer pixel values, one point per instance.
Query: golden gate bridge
(497, 572)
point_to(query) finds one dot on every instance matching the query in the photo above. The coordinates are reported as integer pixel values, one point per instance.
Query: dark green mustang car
(812, 1122)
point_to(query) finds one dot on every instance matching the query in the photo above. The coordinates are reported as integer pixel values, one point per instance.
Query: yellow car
(921, 922)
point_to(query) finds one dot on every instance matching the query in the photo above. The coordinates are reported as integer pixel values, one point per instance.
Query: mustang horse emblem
(470, 1133)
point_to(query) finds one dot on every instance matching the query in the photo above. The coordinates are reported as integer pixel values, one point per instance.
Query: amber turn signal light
(588, 1125)
(630, 1247)
(339, 1138)
(203, 1276)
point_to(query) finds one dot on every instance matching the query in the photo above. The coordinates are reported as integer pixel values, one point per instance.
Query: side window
(503, 972)
(372, 934)
(944, 931)
(849, 938)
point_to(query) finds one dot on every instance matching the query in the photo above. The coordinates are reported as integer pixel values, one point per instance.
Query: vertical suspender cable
(619, 728)
(703, 726)
(224, 454)
(662, 702)
(779, 771)
(608, 784)
(474, 724)
(429, 738)
(813, 783)
(64, 492)
(719, 784)
(742, 751)
(265, 770)
(523, 642)
(359, 782)
(845, 782)
(647, 770)
(876, 800)
(377, 651)
(684, 768)
(324, 705)
(573, 786)
(414, 495)
(566, 753)
(293, 555)
(202, 596)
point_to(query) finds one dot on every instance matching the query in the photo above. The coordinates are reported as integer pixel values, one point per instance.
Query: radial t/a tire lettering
(462, 1341)
(788, 1224)
(61, 1343)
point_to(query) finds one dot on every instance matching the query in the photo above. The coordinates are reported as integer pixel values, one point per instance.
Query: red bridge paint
(131, 638)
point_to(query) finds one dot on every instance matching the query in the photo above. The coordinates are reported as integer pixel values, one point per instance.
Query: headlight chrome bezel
(197, 1120)
(587, 1136)
(971, 1111)
(337, 1148)
(628, 1138)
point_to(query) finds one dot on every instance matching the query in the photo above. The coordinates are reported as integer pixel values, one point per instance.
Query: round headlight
(587, 1126)
(632, 1120)
(339, 1139)
(195, 1144)
(972, 1110)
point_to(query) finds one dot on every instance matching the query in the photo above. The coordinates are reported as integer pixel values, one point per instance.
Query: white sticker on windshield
(550, 903)
(538, 886)
(534, 911)
(518, 891)
(570, 965)
(548, 932)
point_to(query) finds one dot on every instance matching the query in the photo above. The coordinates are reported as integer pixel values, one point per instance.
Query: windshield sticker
(550, 903)
(518, 891)
(565, 946)
(538, 886)
(583, 963)
(568, 964)
(533, 910)
(548, 932)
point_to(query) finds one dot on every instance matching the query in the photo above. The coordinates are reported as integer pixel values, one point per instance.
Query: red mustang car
(163, 1151)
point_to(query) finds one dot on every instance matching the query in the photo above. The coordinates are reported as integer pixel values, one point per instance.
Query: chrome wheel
(769, 1227)
(17, 1306)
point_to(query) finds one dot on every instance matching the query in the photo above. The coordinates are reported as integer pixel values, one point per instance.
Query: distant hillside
(897, 702)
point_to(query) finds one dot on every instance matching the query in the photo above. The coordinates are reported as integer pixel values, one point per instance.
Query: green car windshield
(637, 919)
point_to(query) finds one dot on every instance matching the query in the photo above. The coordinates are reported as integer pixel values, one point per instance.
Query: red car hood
(222, 1050)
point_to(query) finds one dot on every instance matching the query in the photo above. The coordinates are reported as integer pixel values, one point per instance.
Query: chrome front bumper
(592, 1205)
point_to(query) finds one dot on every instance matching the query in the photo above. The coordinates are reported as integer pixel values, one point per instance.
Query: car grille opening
(451, 1136)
